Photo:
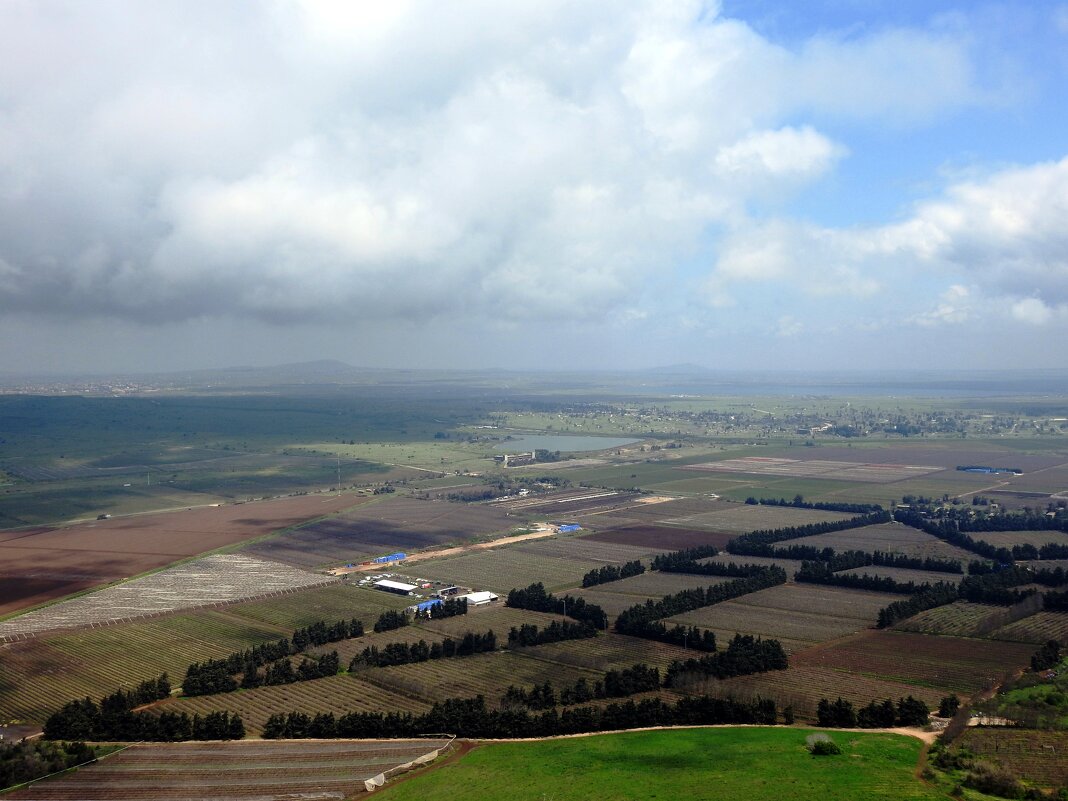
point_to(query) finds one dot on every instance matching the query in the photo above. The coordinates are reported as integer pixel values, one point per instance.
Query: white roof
(480, 597)
(386, 584)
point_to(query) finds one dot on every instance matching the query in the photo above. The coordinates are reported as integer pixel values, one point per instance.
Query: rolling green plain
(756, 764)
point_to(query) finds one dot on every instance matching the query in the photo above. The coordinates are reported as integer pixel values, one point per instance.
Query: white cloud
(308, 160)
(782, 153)
(1032, 311)
(955, 306)
(1005, 235)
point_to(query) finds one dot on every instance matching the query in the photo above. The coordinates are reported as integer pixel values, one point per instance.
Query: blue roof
(422, 607)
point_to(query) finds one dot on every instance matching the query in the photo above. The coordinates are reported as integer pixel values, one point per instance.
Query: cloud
(1005, 235)
(954, 307)
(1032, 311)
(333, 160)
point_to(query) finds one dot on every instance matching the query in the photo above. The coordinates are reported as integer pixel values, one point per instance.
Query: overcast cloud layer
(402, 171)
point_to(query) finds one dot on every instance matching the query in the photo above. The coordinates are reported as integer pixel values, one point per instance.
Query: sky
(835, 184)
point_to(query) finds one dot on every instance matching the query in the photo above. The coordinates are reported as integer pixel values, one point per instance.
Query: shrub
(988, 779)
(822, 745)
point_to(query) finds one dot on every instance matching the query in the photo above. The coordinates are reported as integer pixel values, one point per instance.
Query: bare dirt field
(42, 564)
(265, 771)
(957, 664)
(663, 538)
(382, 527)
(889, 538)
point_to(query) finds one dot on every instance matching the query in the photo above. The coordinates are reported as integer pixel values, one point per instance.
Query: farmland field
(59, 561)
(662, 538)
(656, 585)
(1037, 628)
(742, 518)
(558, 562)
(482, 674)
(40, 675)
(338, 694)
(802, 687)
(796, 614)
(758, 764)
(384, 526)
(202, 582)
(959, 619)
(266, 771)
(612, 652)
(1036, 755)
(950, 664)
(333, 602)
(889, 538)
(496, 616)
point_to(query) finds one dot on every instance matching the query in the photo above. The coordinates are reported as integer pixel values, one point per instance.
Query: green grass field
(729, 763)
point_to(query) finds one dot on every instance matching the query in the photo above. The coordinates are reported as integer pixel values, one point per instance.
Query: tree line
(840, 714)
(450, 607)
(391, 620)
(750, 544)
(113, 719)
(821, 573)
(799, 502)
(402, 653)
(603, 575)
(953, 526)
(536, 599)
(744, 655)
(528, 634)
(217, 675)
(845, 560)
(471, 717)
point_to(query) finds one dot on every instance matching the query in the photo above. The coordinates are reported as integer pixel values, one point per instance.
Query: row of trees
(638, 678)
(402, 653)
(603, 575)
(1000, 588)
(821, 573)
(391, 620)
(752, 544)
(799, 502)
(217, 675)
(536, 599)
(744, 655)
(528, 634)
(450, 607)
(283, 672)
(645, 620)
(114, 720)
(471, 717)
(840, 714)
(845, 560)
(952, 526)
